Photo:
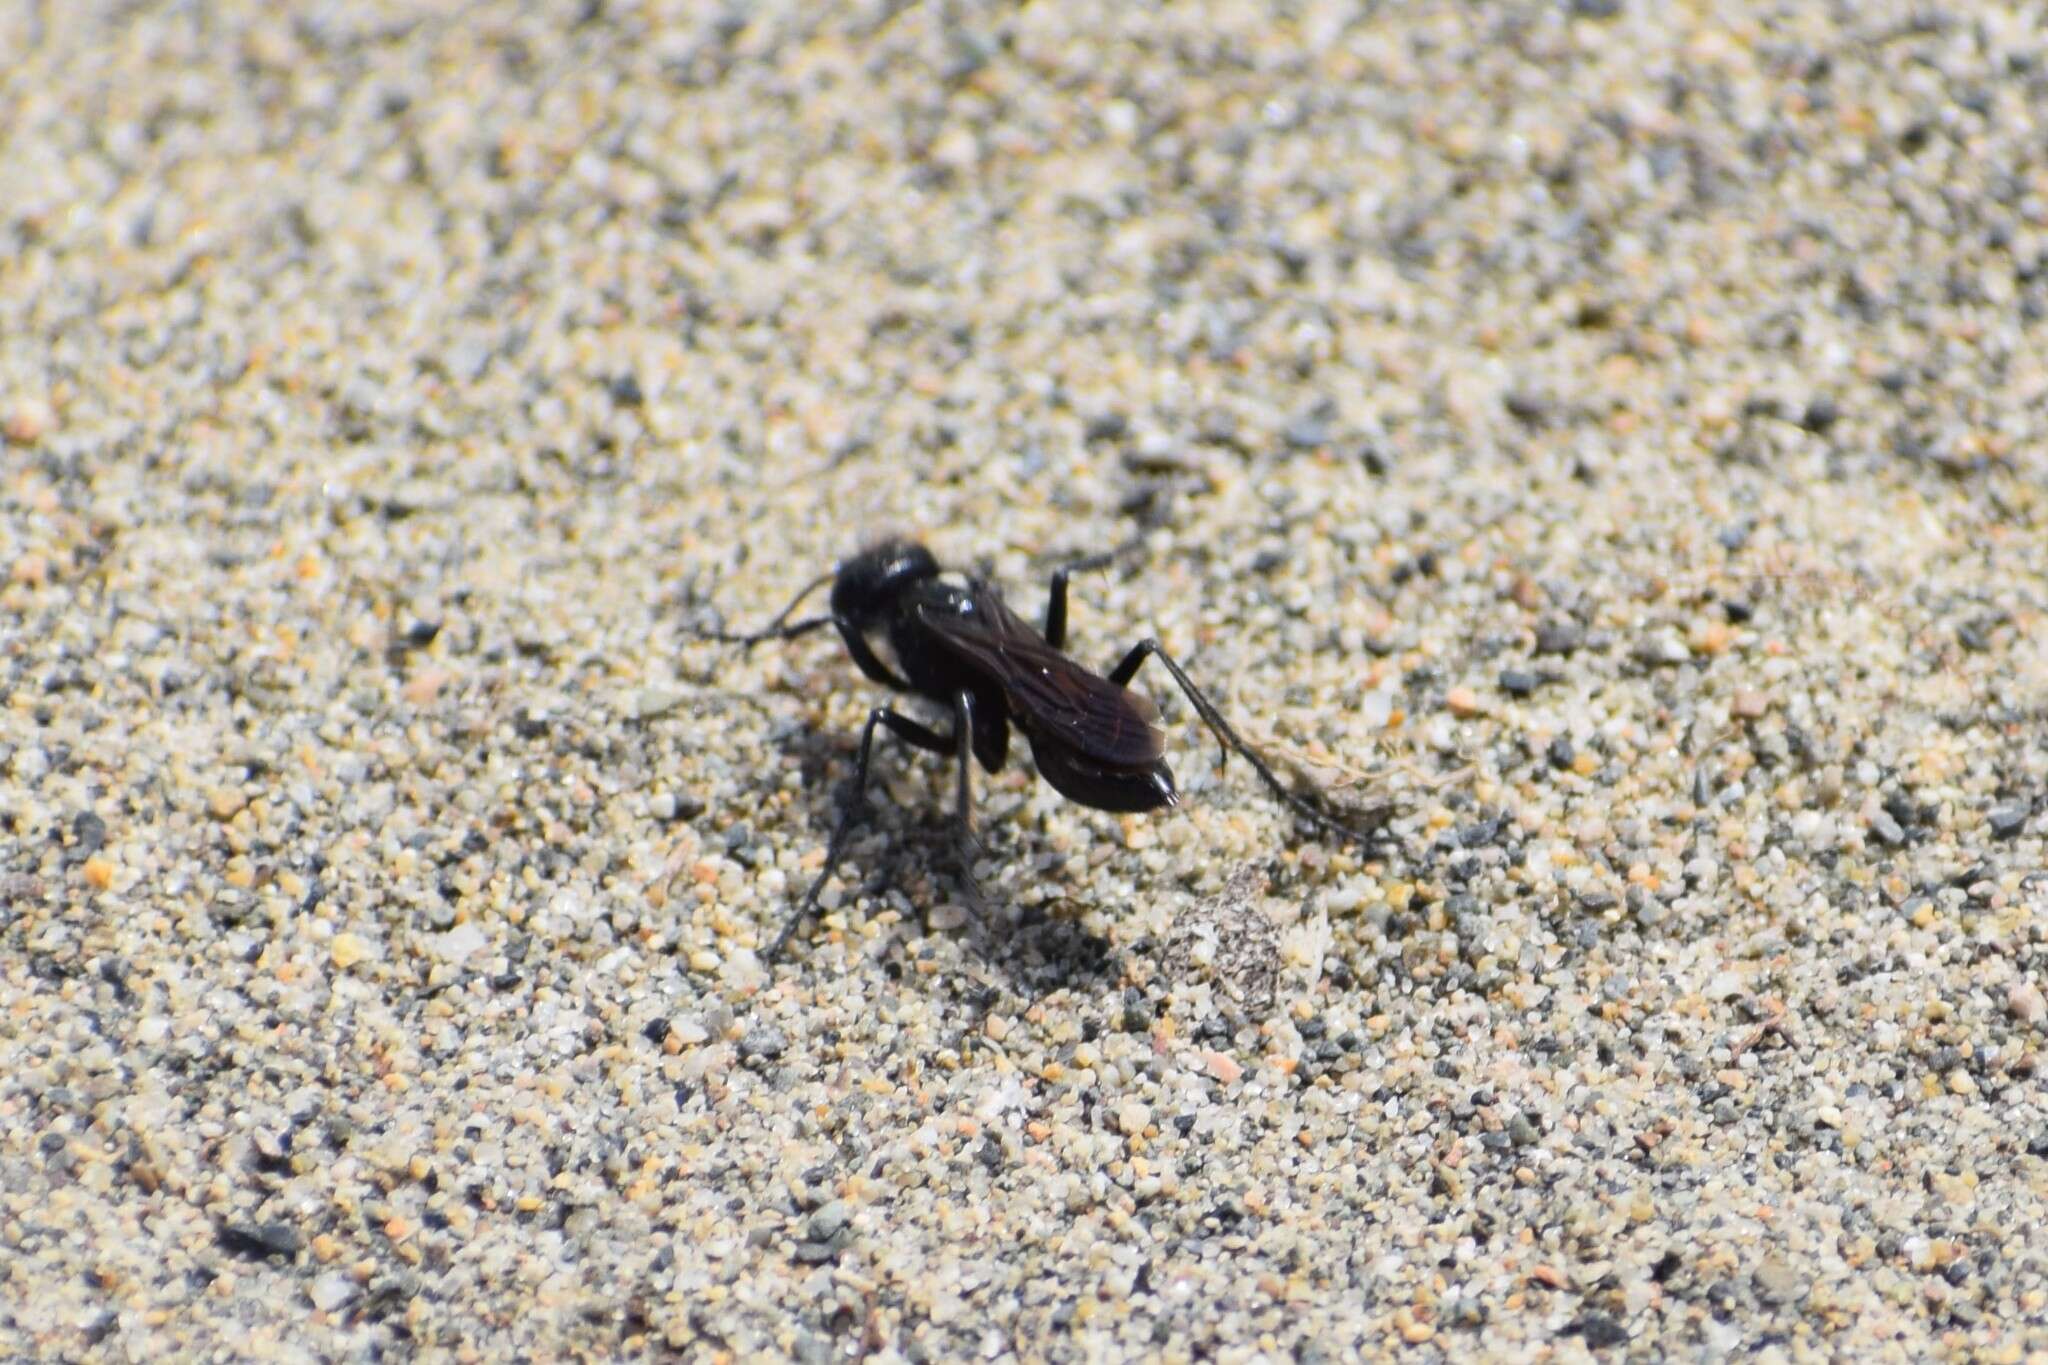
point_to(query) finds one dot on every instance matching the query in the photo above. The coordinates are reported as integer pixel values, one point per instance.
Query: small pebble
(1710, 638)
(347, 950)
(1132, 1117)
(459, 943)
(1749, 704)
(333, 1291)
(424, 686)
(2007, 822)
(829, 1220)
(262, 1239)
(1777, 1283)
(88, 833)
(1660, 649)
(1307, 433)
(649, 702)
(1821, 413)
(1598, 1330)
(766, 1043)
(1559, 637)
(26, 420)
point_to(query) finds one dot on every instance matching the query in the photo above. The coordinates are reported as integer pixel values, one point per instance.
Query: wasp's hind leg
(1227, 738)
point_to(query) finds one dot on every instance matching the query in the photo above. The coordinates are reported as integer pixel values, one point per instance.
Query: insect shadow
(954, 641)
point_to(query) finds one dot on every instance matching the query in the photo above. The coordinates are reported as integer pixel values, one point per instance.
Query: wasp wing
(1048, 692)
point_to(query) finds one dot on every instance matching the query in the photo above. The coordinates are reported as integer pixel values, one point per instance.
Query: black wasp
(957, 643)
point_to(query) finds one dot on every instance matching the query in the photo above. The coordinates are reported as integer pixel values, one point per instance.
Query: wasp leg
(963, 738)
(1056, 596)
(905, 729)
(1227, 739)
(963, 744)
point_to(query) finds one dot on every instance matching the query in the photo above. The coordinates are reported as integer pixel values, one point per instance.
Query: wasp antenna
(776, 630)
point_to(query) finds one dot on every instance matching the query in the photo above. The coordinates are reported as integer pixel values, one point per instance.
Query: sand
(1609, 434)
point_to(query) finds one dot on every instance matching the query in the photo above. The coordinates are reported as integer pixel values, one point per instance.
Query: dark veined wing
(1047, 691)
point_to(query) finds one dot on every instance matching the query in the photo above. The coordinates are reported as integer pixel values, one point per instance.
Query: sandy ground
(1610, 434)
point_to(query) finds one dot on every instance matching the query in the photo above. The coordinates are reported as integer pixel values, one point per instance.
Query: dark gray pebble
(2007, 821)
(764, 1042)
(91, 833)
(1598, 1331)
(259, 1240)
(1518, 682)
